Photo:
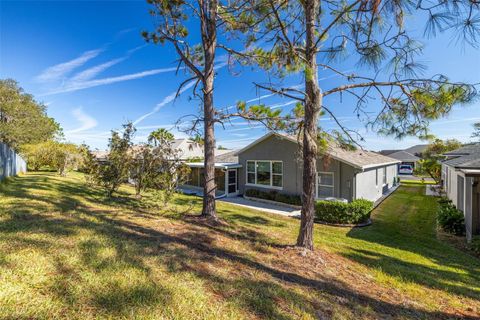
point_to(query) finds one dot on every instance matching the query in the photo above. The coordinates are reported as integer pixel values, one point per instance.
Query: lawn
(67, 252)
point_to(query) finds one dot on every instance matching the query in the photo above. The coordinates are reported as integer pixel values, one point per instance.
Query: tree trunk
(209, 42)
(312, 109)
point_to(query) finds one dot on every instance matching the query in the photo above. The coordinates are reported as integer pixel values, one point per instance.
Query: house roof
(467, 157)
(388, 152)
(417, 149)
(360, 159)
(465, 150)
(404, 156)
(187, 149)
(227, 157)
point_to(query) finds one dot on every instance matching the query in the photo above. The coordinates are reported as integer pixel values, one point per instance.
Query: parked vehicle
(405, 169)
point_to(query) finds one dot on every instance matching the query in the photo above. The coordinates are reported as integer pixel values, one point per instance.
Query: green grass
(417, 182)
(67, 252)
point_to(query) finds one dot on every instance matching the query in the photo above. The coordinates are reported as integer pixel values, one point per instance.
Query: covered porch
(226, 179)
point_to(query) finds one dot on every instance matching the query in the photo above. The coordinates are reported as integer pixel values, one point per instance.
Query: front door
(232, 181)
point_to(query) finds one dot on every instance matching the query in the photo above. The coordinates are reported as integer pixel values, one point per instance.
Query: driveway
(262, 206)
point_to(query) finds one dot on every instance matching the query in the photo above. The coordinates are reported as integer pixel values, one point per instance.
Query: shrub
(450, 218)
(274, 195)
(357, 211)
(474, 245)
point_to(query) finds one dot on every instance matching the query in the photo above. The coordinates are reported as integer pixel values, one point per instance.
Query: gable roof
(465, 157)
(404, 156)
(388, 152)
(360, 159)
(227, 157)
(417, 149)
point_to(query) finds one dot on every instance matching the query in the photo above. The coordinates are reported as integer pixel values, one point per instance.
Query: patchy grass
(67, 252)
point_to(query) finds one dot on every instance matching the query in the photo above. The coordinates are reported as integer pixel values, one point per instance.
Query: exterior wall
(366, 184)
(274, 148)
(451, 184)
(467, 201)
(349, 183)
(11, 163)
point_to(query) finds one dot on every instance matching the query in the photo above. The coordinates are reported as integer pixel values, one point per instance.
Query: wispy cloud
(164, 102)
(86, 122)
(57, 72)
(79, 85)
(94, 71)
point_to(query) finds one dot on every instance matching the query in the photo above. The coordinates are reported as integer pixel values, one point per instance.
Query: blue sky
(87, 61)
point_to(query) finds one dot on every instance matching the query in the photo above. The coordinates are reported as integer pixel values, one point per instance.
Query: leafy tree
(199, 60)
(22, 119)
(313, 36)
(476, 131)
(116, 169)
(59, 156)
(158, 166)
(430, 164)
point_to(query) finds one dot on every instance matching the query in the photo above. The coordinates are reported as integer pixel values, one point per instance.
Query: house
(273, 162)
(188, 150)
(461, 177)
(417, 150)
(405, 158)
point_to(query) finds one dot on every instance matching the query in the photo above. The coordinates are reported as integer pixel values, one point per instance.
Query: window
(376, 177)
(277, 174)
(384, 169)
(325, 184)
(265, 173)
(251, 172)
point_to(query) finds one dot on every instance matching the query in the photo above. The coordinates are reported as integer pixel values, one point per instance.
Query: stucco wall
(11, 163)
(366, 184)
(278, 149)
(274, 148)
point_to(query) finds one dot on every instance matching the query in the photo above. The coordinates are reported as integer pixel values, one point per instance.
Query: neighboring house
(273, 162)
(187, 149)
(11, 163)
(405, 158)
(409, 156)
(417, 150)
(461, 177)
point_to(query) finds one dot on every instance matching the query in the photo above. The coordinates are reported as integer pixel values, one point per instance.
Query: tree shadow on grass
(260, 288)
(406, 222)
(164, 243)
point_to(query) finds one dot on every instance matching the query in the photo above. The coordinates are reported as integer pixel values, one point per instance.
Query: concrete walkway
(433, 190)
(262, 206)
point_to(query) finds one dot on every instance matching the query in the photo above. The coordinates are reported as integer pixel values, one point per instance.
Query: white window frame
(271, 186)
(325, 185)
(376, 177)
(384, 176)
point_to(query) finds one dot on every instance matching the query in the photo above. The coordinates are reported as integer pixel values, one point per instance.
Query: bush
(450, 218)
(273, 195)
(474, 245)
(357, 211)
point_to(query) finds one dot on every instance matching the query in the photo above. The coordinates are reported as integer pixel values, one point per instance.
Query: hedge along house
(461, 182)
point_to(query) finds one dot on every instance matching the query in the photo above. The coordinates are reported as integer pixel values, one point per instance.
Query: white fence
(11, 163)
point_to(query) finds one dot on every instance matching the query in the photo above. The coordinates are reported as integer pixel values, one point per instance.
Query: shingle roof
(468, 157)
(388, 152)
(227, 157)
(361, 159)
(464, 150)
(404, 156)
(417, 149)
